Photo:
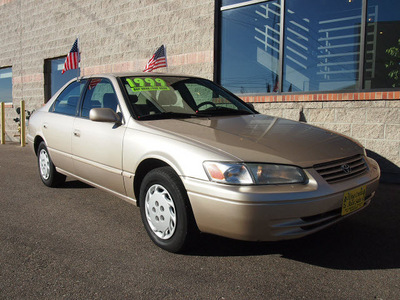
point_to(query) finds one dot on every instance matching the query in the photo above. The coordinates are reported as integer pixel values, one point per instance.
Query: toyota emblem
(346, 168)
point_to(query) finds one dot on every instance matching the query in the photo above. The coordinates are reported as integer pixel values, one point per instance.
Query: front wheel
(165, 210)
(47, 170)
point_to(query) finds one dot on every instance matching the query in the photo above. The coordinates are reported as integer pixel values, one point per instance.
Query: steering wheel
(206, 103)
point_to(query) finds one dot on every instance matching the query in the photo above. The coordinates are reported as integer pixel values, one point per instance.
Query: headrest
(110, 101)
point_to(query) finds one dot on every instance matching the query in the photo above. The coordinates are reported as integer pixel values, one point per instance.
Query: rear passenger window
(67, 102)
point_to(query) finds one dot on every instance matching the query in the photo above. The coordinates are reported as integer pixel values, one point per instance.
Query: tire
(165, 210)
(47, 170)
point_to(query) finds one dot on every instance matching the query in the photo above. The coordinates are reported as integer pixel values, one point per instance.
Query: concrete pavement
(78, 242)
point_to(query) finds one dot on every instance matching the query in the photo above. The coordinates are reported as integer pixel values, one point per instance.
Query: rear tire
(47, 170)
(165, 210)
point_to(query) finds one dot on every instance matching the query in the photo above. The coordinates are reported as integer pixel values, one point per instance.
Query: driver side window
(100, 94)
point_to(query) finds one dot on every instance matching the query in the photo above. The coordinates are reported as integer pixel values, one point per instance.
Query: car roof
(133, 74)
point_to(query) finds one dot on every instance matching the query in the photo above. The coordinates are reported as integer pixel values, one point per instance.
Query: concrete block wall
(115, 36)
(375, 124)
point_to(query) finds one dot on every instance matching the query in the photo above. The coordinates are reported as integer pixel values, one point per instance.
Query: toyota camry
(196, 158)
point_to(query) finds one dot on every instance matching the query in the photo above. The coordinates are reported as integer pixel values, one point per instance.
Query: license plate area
(353, 200)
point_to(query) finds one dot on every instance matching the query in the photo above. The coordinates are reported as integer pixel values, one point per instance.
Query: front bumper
(269, 213)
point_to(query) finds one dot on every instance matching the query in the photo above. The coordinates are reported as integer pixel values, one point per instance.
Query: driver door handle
(77, 133)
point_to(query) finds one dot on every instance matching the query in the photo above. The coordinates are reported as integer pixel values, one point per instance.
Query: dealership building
(334, 64)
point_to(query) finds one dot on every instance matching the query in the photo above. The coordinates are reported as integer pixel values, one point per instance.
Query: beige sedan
(195, 158)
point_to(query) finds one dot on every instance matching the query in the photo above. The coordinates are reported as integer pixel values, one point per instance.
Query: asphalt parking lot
(77, 242)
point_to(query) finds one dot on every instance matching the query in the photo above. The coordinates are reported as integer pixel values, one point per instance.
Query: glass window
(322, 45)
(175, 97)
(250, 40)
(67, 102)
(100, 94)
(54, 78)
(382, 54)
(6, 85)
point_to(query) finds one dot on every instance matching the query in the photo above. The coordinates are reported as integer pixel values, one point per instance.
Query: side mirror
(104, 115)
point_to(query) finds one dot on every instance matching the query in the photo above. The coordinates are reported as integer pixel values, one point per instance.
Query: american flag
(73, 58)
(94, 82)
(158, 60)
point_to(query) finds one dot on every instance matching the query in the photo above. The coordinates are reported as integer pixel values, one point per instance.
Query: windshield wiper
(223, 111)
(166, 115)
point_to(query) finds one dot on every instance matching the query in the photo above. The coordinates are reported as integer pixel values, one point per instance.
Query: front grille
(342, 169)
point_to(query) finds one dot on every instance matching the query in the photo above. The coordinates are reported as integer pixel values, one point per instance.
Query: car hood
(262, 138)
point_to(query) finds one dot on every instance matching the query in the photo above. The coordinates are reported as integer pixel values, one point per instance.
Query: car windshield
(179, 97)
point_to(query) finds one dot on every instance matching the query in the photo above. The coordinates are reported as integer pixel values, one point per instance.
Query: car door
(97, 146)
(58, 124)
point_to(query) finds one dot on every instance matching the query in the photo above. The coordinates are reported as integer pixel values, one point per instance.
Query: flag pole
(79, 59)
(166, 59)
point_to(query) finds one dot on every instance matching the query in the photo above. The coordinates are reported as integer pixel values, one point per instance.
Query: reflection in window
(322, 45)
(100, 94)
(382, 40)
(67, 102)
(54, 79)
(250, 37)
(6, 85)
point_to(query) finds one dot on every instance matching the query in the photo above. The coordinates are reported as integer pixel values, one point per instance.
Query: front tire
(47, 170)
(165, 210)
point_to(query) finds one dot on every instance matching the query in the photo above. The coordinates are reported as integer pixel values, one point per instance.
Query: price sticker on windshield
(147, 84)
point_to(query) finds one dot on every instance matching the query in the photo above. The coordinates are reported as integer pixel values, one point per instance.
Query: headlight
(276, 174)
(251, 173)
(228, 173)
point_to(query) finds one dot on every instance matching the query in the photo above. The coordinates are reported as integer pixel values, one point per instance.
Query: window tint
(66, 103)
(100, 94)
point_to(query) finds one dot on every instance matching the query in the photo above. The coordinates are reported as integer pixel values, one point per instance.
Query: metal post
(22, 120)
(3, 124)
(281, 46)
(364, 14)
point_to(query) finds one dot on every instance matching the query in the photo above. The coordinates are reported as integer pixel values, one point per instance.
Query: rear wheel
(165, 210)
(47, 170)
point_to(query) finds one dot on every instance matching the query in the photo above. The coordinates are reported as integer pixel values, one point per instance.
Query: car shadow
(75, 184)
(367, 240)
(390, 172)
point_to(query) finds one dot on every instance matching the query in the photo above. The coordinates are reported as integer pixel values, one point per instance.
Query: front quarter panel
(184, 156)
